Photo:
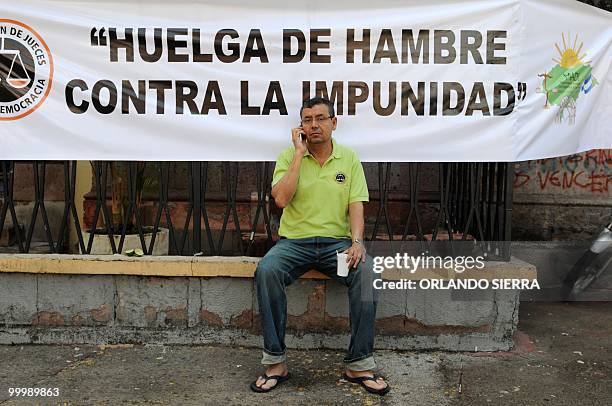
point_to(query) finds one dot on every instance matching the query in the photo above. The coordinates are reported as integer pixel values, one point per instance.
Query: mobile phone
(303, 136)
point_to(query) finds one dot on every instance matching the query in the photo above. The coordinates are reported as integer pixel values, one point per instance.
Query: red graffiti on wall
(590, 171)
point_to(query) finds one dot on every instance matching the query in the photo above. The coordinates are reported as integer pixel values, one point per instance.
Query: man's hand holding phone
(299, 140)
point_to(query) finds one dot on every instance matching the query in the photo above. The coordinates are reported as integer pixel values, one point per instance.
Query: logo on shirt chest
(340, 178)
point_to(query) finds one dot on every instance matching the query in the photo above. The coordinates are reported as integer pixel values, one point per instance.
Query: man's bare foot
(379, 384)
(273, 369)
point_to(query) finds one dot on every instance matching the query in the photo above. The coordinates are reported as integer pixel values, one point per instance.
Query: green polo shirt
(319, 207)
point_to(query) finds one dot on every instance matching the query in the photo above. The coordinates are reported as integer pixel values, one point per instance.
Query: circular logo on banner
(26, 70)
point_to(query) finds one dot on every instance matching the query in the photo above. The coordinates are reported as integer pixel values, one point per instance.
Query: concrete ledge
(66, 299)
(234, 267)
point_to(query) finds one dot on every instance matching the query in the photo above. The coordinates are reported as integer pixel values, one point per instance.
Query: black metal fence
(444, 201)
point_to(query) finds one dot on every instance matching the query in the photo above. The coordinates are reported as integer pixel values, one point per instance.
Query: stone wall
(121, 306)
(566, 198)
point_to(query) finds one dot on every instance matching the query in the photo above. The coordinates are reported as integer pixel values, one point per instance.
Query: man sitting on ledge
(321, 187)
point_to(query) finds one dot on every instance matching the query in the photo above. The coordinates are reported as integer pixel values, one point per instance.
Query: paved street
(564, 358)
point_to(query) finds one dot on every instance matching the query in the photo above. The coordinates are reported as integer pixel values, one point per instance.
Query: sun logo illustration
(567, 80)
(569, 56)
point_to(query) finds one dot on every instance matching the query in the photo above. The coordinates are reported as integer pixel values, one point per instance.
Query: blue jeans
(286, 262)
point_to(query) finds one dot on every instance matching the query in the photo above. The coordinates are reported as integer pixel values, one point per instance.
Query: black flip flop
(279, 380)
(360, 380)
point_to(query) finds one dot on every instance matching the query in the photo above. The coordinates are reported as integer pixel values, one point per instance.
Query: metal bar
(470, 215)
(138, 185)
(380, 203)
(190, 189)
(460, 196)
(9, 204)
(464, 192)
(43, 209)
(476, 200)
(3, 195)
(482, 197)
(204, 211)
(34, 209)
(235, 210)
(494, 207)
(130, 206)
(386, 200)
(39, 169)
(452, 193)
(197, 209)
(226, 167)
(132, 213)
(417, 213)
(444, 202)
(434, 234)
(509, 189)
(414, 170)
(67, 204)
(485, 203)
(106, 215)
(73, 210)
(69, 169)
(261, 171)
(267, 186)
(493, 167)
(256, 216)
(451, 196)
(97, 169)
(165, 185)
(94, 221)
(162, 202)
(499, 213)
(162, 207)
(231, 171)
(384, 175)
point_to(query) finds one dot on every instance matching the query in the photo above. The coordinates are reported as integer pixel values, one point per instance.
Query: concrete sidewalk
(564, 357)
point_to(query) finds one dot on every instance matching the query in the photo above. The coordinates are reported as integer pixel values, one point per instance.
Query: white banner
(441, 80)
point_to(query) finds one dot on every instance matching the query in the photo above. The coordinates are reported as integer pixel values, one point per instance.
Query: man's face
(317, 124)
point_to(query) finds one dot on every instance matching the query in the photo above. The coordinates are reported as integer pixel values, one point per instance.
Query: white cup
(343, 269)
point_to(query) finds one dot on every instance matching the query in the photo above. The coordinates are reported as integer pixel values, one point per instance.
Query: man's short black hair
(310, 103)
